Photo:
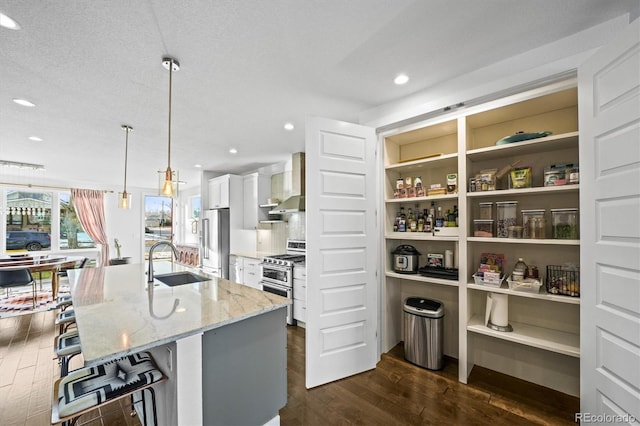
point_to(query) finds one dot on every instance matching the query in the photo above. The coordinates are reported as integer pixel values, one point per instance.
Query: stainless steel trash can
(423, 336)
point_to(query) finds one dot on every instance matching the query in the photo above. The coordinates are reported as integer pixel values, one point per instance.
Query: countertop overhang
(118, 314)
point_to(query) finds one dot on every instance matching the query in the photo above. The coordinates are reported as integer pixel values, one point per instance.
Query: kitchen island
(221, 344)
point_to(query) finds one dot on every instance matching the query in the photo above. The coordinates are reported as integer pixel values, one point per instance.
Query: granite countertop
(117, 315)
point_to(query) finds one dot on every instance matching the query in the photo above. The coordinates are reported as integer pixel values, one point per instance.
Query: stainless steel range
(277, 272)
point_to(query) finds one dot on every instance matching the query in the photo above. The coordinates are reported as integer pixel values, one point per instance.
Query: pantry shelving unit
(420, 278)
(545, 337)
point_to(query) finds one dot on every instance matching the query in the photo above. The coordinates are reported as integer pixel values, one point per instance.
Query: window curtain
(89, 205)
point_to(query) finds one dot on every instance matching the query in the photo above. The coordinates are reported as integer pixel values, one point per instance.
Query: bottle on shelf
(402, 223)
(412, 222)
(451, 218)
(519, 270)
(439, 218)
(428, 224)
(420, 221)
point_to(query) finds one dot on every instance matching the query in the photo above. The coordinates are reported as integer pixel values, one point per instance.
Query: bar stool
(64, 302)
(88, 388)
(67, 345)
(65, 319)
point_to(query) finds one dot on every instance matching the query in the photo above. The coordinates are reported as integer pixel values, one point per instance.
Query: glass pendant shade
(124, 198)
(168, 183)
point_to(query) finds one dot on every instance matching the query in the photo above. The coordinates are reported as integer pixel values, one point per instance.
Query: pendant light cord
(126, 150)
(170, 86)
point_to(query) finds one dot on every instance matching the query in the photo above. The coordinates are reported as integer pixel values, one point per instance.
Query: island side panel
(244, 371)
(166, 392)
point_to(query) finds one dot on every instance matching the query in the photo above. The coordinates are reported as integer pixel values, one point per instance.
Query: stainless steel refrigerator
(214, 242)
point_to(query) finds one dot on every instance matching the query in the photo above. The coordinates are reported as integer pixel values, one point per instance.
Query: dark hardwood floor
(395, 393)
(400, 393)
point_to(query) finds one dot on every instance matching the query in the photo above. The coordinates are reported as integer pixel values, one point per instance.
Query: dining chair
(18, 278)
(64, 301)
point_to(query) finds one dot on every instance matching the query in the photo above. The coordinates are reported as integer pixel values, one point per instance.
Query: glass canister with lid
(486, 210)
(506, 213)
(534, 224)
(564, 224)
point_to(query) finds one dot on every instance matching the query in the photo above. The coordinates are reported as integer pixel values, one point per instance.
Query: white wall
(127, 225)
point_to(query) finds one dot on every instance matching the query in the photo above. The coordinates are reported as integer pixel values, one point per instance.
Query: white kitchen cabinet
(256, 190)
(236, 269)
(222, 188)
(252, 273)
(300, 294)
(245, 270)
(545, 337)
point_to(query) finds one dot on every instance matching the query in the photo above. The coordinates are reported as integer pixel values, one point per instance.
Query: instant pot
(405, 259)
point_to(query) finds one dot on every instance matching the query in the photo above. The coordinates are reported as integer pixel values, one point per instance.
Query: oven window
(275, 275)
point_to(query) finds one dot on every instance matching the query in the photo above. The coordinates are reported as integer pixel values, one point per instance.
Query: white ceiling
(247, 67)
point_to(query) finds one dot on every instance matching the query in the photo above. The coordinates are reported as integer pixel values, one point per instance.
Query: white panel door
(341, 250)
(609, 112)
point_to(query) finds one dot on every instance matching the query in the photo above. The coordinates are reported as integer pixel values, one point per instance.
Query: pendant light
(169, 187)
(124, 198)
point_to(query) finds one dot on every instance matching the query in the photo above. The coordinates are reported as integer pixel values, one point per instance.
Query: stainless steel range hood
(293, 204)
(294, 187)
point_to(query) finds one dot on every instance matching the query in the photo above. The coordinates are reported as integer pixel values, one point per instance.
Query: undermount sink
(179, 278)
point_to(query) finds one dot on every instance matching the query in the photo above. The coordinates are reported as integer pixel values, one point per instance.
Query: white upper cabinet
(220, 189)
(256, 190)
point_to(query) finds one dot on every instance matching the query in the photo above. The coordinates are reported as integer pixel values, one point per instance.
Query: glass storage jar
(564, 224)
(486, 210)
(514, 231)
(506, 213)
(534, 224)
(483, 228)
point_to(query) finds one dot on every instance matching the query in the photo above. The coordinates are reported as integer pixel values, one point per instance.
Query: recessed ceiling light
(197, 166)
(24, 102)
(233, 151)
(401, 79)
(35, 138)
(288, 126)
(7, 22)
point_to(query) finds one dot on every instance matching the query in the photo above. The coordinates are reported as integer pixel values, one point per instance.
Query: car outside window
(28, 220)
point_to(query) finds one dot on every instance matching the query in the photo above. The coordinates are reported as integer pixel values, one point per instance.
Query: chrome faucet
(151, 250)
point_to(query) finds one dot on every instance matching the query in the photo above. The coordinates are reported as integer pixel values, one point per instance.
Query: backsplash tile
(272, 238)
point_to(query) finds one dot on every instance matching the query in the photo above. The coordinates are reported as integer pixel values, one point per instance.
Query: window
(158, 224)
(72, 234)
(193, 219)
(28, 223)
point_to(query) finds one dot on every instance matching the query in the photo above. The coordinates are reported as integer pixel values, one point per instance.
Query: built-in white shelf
(420, 163)
(545, 190)
(421, 236)
(548, 241)
(541, 295)
(421, 199)
(421, 278)
(538, 337)
(532, 146)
